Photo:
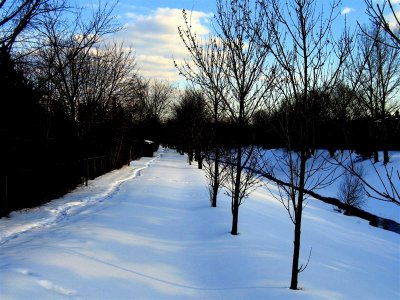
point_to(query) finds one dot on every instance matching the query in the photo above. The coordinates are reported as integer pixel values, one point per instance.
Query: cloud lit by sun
(154, 36)
(347, 10)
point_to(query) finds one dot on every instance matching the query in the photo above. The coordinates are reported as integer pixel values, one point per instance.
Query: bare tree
(344, 104)
(379, 81)
(106, 71)
(134, 98)
(207, 71)
(67, 45)
(385, 15)
(158, 99)
(18, 15)
(373, 74)
(214, 168)
(250, 175)
(191, 115)
(215, 173)
(149, 100)
(351, 190)
(232, 65)
(310, 59)
(385, 188)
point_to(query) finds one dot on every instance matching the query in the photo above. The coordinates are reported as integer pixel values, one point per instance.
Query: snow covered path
(148, 232)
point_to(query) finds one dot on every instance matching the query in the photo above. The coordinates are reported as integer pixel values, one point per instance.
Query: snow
(147, 231)
(383, 209)
(372, 173)
(331, 168)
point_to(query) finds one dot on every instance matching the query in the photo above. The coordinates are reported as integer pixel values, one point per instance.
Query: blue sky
(150, 28)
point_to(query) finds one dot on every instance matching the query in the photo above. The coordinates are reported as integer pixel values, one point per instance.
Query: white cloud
(155, 39)
(392, 21)
(390, 16)
(347, 10)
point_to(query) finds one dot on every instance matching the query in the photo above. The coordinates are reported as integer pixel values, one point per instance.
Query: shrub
(351, 190)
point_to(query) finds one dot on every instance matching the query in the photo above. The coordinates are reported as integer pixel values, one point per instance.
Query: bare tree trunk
(385, 156)
(235, 199)
(385, 142)
(235, 218)
(297, 230)
(376, 156)
(216, 179)
(296, 255)
(200, 162)
(199, 158)
(214, 197)
(190, 155)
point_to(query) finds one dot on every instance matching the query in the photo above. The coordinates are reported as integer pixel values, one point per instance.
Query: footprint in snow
(25, 272)
(48, 285)
(55, 288)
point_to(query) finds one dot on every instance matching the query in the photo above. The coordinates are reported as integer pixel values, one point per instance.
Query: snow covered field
(147, 231)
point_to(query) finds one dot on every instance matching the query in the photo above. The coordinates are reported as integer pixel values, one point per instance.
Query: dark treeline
(362, 135)
(73, 105)
(44, 153)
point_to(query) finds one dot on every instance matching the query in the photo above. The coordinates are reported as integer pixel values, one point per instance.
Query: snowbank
(147, 231)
